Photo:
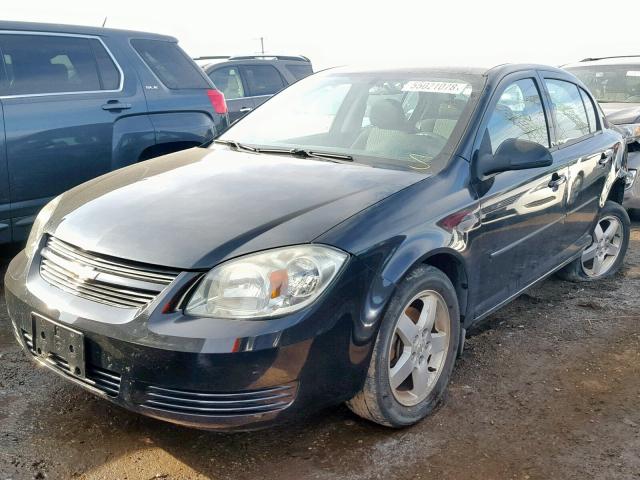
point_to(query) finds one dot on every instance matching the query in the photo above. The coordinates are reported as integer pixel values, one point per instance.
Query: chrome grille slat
(101, 279)
(96, 285)
(218, 404)
(110, 266)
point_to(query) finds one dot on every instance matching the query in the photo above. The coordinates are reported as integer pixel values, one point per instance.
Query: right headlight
(632, 131)
(37, 229)
(265, 284)
(630, 178)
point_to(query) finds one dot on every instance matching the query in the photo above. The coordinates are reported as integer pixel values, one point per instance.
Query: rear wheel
(414, 352)
(604, 257)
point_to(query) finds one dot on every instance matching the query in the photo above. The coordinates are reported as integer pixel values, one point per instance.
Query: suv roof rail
(212, 57)
(593, 59)
(295, 58)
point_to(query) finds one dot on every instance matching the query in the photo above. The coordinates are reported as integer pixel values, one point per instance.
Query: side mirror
(514, 154)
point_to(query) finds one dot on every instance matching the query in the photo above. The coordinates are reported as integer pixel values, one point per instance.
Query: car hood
(620, 113)
(196, 208)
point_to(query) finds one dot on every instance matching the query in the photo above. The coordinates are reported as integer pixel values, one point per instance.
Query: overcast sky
(337, 32)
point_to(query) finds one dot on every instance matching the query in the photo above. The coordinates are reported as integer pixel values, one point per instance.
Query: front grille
(100, 278)
(219, 404)
(107, 381)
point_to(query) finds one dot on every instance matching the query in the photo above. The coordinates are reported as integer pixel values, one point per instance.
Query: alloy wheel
(419, 347)
(600, 257)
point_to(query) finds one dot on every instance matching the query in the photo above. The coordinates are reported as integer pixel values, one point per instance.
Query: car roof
(243, 59)
(80, 30)
(495, 72)
(619, 60)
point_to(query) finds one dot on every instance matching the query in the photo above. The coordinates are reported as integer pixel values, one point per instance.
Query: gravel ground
(548, 388)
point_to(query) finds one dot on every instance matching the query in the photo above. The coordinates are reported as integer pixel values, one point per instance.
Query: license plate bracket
(59, 345)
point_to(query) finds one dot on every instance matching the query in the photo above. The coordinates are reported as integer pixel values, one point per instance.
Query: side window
(591, 111)
(569, 111)
(227, 80)
(109, 74)
(263, 80)
(300, 70)
(518, 114)
(171, 65)
(37, 64)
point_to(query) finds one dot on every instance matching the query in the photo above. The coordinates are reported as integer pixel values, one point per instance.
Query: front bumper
(204, 373)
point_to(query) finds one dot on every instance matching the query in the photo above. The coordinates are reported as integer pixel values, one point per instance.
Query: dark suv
(249, 81)
(78, 102)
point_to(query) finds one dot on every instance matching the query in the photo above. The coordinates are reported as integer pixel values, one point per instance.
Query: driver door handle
(245, 109)
(605, 157)
(116, 105)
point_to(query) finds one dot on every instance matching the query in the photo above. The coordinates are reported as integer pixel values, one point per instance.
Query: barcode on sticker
(434, 87)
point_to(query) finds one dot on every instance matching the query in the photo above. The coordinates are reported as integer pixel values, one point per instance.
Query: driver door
(522, 211)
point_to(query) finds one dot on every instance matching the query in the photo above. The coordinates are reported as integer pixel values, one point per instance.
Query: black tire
(376, 401)
(574, 272)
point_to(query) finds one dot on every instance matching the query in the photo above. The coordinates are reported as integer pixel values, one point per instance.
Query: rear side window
(263, 79)
(591, 111)
(170, 64)
(518, 114)
(568, 108)
(227, 80)
(40, 64)
(299, 71)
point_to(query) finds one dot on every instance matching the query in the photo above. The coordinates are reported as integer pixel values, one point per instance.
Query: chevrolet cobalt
(332, 246)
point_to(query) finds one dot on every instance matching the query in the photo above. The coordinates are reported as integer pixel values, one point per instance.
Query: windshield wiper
(302, 153)
(236, 145)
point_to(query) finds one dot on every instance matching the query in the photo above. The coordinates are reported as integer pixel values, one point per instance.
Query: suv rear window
(41, 64)
(170, 64)
(300, 70)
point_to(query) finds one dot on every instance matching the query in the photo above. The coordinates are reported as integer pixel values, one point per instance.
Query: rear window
(170, 64)
(300, 70)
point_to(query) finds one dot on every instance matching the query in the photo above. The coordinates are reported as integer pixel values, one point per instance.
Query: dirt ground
(548, 388)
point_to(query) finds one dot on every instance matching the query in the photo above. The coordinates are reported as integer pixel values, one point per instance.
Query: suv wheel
(414, 352)
(604, 257)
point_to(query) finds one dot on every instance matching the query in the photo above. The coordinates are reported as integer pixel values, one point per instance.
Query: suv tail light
(216, 97)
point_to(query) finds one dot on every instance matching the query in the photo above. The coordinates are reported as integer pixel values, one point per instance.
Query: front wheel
(604, 257)
(414, 353)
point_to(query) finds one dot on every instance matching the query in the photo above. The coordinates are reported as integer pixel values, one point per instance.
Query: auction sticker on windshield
(434, 87)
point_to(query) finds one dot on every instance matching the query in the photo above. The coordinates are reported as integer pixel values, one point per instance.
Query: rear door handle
(556, 181)
(245, 109)
(116, 105)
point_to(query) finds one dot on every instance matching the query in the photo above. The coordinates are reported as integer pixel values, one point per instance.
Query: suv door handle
(556, 181)
(605, 157)
(116, 105)
(245, 109)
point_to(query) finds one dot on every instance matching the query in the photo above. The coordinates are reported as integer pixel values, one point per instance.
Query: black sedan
(332, 246)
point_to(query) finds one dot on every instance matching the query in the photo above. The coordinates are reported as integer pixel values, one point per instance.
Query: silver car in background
(615, 83)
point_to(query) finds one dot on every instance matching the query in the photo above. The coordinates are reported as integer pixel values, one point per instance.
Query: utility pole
(105, 22)
(262, 44)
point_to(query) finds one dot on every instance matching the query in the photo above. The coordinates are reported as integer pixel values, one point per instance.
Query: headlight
(630, 178)
(265, 284)
(632, 131)
(37, 229)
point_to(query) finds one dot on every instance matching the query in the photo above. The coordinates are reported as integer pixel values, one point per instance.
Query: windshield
(394, 120)
(611, 83)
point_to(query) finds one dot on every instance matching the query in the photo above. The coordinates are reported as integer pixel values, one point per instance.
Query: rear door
(522, 211)
(63, 95)
(228, 80)
(580, 146)
(263, 81)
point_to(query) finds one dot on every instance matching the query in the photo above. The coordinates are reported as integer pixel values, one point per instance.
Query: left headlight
(266, 284)
(37, 229)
